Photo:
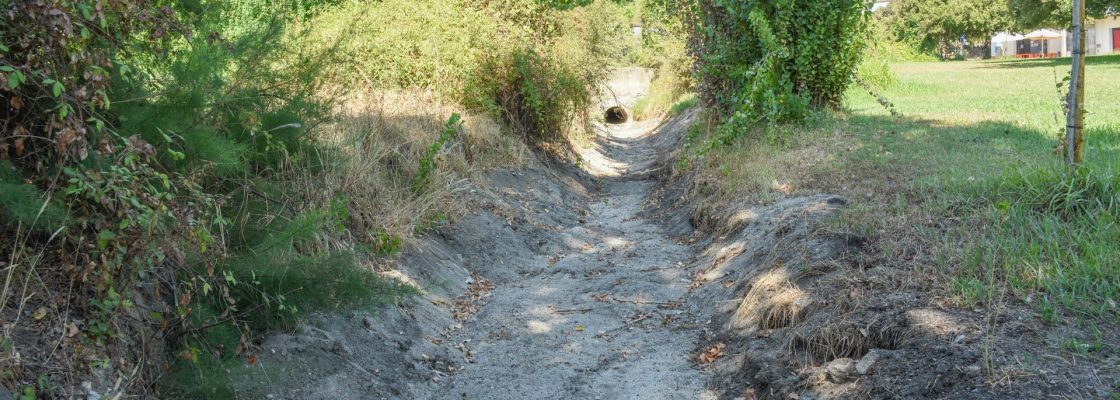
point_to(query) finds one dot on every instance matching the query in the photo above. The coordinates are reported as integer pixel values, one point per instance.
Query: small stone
(90, 393)
(972, 370)
(867, 363)
(841, 370)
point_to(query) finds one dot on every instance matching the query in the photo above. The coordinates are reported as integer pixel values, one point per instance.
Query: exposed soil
(557, 286)
(588, 282)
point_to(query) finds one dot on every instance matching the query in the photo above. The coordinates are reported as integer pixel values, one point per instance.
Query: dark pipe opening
(616, 115)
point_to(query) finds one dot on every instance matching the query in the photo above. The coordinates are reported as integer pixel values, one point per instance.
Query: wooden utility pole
(1075, 119)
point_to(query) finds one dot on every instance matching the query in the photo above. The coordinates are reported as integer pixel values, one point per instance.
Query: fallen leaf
(40, 313)
(712, 354)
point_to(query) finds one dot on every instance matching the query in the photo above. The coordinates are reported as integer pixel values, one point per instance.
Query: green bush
(761, 60)
(663, 49)
(25, 206)
(179, 138)
(537, 97)
(884, 46)
(412, 44)
(532, 65)
(173, 147)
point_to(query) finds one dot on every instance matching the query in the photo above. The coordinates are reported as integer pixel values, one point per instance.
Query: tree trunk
(1075, 119)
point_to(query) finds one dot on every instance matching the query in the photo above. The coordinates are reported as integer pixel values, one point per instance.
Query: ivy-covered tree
(772, 60)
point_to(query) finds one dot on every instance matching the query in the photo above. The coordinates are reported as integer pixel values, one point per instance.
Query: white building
(1102, 36)
(1041, 43)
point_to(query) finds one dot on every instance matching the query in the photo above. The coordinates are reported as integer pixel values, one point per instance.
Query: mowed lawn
(1018, 91)
(974, 144)
(1012, 105)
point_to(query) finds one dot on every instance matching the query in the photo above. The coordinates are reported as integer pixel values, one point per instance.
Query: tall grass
(1037, 231)
(669, 94)
(1051, 241)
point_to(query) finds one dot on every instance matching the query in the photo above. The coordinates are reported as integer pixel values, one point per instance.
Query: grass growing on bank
(1047, 235)
(669, 94)
(964, 184)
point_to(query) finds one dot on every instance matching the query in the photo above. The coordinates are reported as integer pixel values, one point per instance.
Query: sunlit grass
(979, 138)
(964, 183)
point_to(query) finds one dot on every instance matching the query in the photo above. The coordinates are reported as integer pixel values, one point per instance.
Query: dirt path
(554, 286)
(605, 316)
(604, 320)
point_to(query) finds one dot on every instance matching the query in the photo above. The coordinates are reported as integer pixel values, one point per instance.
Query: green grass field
(975, 141)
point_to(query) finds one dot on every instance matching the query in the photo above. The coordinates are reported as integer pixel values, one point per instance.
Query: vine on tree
(775, 60)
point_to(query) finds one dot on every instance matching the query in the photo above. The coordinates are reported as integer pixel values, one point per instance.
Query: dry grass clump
(379, 139)
(772, 302)
(841, 337)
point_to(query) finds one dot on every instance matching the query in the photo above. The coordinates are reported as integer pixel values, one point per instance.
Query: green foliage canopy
(934, 25)
(1033, 14)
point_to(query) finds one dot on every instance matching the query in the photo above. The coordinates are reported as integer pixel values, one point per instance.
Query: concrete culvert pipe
(616, 115)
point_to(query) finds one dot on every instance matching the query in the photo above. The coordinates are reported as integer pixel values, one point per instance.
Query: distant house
(1102, 36)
